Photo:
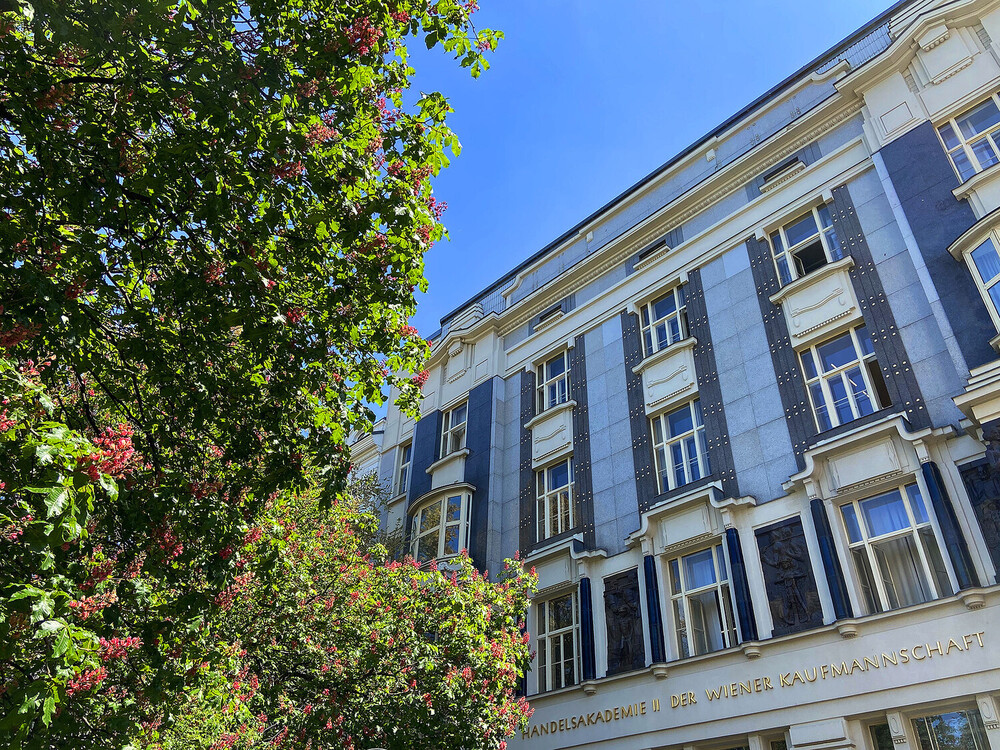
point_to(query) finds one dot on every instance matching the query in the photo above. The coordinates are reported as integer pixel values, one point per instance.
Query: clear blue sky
(583, 99)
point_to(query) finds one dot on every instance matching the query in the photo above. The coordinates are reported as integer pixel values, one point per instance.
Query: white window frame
(683, 601)
(553, 390)
(404, 457)
(674, 324)
(980, 739)
(440, 529)
(985, 286)
(819, 385)
(547, 640)
(558, 498)
(783, 253)
(663, 448)
(963, 146)
(454, 433)
(871, 579)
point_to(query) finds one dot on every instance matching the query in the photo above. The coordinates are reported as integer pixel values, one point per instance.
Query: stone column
(831, 563)
(657, 651)
(587, 650)
(741, 588)
(954, 541)
(987, 706)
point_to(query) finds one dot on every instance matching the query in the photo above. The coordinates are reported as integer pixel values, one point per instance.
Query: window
(553, 381)
(894, 550)
(403, 454)
(881, 737)
(558, 642)
(679, 446)
(453, 429)
(664, 321)
(554, 499)
(987, 262)
(844, 379)
(439, 528)
(702, 608)
(958, 730)
(971, 138)
(805, 244)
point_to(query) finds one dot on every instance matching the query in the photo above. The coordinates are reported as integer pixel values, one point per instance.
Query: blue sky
(584, 98)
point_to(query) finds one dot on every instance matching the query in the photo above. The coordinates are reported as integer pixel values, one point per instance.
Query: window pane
(916, 503)
(987, 261)
(962, 164)
(454, 508)
(777, 244)
(662, 337)
(657, 430)
(984, 153)
(569, 665)
(680, 624)
(841, 402)
(851, 521)
(674, 326)
(430, 517)
(406, 453)
(677, 457)
(822, 413)
(809, 257)
(824, 215)
(801, 230)
(948, 136)
(721, 561)
(865, 340)
(427, 548)
(860, 391)
(680, 421)
(809, 364)
(995, 296)
(941, 580)
(867, 580)
(884, 514)
(783, 272)
(555, 366)
(675, 577)
(458, 414)
(902, 572)
(706, 622)
(837, 353)
(983, 117)
(958, 730)
(699, 570)
(451, 540)
(561, 613)
(697, 413)
(664, 306)
(559, 475)
(881, 737)
(692, 457)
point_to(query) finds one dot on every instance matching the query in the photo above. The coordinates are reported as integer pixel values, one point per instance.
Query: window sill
(552, 410)
(656, 357)
(963, 191)
(803, 282)
(454, 455)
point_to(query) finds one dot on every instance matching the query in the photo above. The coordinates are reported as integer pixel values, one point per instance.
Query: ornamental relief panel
(865, 466)
(623, 617)
(668, 377)
(551, 434)
(816, 305)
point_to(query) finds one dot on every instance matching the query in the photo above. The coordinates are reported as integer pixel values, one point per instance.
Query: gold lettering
(904, 656)
(607, 715)
(871, 661)
(691, 698)
(675, 701)
(732, 689)
(618, 713)
(931, 649)
(785, 679)
(979, 636)
(591, 719)
(562, 725)
(535, 731)
(914, 652)
(856, 665)
(714, 695)
(968, 641)
(953, 643)
(543, 728)
(756, 685)
(842, 670)
(767, 684)
(886, 659)
(824, 670)
(600, 718)
(553, 727)
(815, 674)
(628, 711)
(745, 688)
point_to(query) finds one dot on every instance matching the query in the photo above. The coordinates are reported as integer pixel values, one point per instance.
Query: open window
(804, 244)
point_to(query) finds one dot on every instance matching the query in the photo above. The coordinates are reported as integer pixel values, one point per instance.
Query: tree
(214, 215)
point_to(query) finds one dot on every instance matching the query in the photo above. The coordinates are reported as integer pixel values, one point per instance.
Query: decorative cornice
(617, 251)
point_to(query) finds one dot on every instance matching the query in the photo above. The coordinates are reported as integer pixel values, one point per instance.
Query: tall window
(664, 321)
(702, 607)
(896, 555)
(679, 446)
(987, 263)
(971, 138)
(403, 455)
(958, 730)
(453, 429)
(553, 381)
(439, 528)
(805, 244)
(558, 642)
(554, 499)
(844, 379)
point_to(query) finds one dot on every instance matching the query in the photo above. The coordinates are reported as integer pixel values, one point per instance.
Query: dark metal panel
(642, 453)
(656, 642)
(477, 467)
(588, 652)
(584, 485)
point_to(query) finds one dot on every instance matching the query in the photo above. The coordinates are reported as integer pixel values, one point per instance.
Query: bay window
(701, 604)
(805, 244)
(664, 321)
(679, 447)
(553, 381)
(554, 499)
(844, 379)
(453, 429)
(987, 262)
(971, 138)
(894, 550)
(558, 642)
(440, 528)
(956, 730)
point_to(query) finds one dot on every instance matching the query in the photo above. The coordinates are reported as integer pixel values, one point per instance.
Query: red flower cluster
(90, 605)
(294, 315)
(420, 378)
(408, 331)
(363, 35)
(118, 648)
(87, 681)
(213, 273)
(6, 423)
(115, 454)
(288, 170)
(437, 207)
(321, 132)
(167, 541)
(225, 598)
(17, 334)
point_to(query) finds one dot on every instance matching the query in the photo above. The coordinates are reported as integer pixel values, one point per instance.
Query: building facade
(743, 421)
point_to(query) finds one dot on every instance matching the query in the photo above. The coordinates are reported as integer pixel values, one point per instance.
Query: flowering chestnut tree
(213, 215)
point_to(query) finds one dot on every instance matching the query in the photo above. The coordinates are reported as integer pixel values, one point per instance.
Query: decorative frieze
(668, 376)
(818, 304)
(551, 434)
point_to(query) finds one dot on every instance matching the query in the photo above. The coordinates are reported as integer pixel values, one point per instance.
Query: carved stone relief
(788, 577)
(626, 650)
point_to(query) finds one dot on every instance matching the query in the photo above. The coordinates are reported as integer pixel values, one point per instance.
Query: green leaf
(55, 501)
(48, 708)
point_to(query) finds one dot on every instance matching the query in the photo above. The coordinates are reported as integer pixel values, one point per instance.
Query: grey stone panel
(516, 336)
(601, 283)
(836, 138)
(923, 180)
(904, 391)
(715, 213)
